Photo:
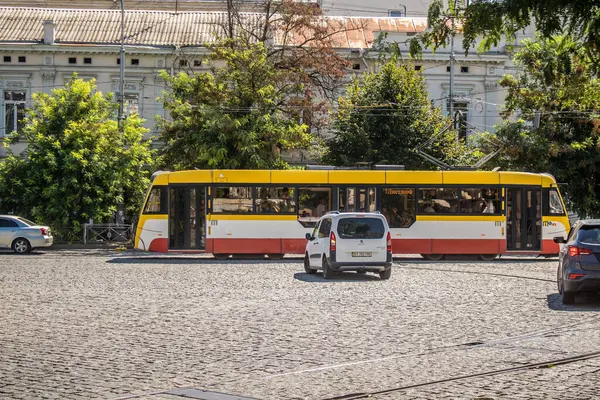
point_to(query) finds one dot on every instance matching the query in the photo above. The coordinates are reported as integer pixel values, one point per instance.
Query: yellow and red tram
(433, 213)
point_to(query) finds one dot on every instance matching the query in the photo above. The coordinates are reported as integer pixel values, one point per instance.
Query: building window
(275, 200)
(87, 60)
(22, 59)
(135, 61)
(232, 200)
(131, 103)
(418, 67)
(183, 63)
(398, 206)
(7, 59)
(14, 111)
(461, 112)
(72, 60)
(464, 70)
(197, 63)
(447, 69)
(356, 66)
(119, 61)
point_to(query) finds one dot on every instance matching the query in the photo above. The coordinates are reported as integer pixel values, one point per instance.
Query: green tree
(492, 20)
(386, 116)
(77, 165)
(556, 98)
(235, 116)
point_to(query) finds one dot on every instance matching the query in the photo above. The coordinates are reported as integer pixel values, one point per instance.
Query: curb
(81, 246)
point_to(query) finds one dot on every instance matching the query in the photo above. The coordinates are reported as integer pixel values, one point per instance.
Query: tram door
(523, 219)
(187, 226)
(356, 199)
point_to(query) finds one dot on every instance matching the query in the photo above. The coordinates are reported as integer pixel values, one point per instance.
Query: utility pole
(451, 99)
(122, 63)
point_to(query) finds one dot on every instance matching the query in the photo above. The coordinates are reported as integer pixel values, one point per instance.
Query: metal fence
(107, 233)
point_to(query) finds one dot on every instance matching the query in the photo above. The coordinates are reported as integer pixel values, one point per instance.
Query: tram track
(528, 366)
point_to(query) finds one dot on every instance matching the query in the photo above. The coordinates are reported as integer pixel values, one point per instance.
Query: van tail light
(579, 251)
(44, 231)
(332, 243)
(389, 242)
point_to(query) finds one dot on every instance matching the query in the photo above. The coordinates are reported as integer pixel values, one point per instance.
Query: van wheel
(21, 246)
(307, 267)
(433, 257)
(488, 257)
(386, 274)
(328, 273)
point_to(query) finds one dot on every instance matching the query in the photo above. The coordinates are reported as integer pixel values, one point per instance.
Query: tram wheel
(488, 257)
(276, 256)
(433, 257)
(221, 256)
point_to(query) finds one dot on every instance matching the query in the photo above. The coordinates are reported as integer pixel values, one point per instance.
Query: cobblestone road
(82, 325)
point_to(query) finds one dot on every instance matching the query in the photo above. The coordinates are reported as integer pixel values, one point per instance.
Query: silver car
(22, 235)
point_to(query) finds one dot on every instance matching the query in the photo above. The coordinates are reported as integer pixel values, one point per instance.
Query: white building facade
(41, 48)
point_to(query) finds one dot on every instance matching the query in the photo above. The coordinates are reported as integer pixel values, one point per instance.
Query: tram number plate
(361, 254)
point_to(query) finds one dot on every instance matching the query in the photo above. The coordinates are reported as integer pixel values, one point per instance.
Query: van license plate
(361, 254)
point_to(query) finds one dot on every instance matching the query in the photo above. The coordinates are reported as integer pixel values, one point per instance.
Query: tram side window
(313, 203)
(480, 201)
(232, 199)
(153, 205)
(398, 207)
(275, 200)
(438, 201)
(555, 205)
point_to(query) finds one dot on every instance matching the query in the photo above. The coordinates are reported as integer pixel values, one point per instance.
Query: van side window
(325, 228)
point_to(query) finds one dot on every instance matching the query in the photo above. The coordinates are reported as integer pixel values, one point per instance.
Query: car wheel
(567, 297)
(385, 274)
(21, 246)
(559, 280)
(307, 267)
(433, 257)
(328, 273)
(488, 257)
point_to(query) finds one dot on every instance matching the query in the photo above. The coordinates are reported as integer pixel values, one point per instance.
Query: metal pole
(451, 97)
(122, 62)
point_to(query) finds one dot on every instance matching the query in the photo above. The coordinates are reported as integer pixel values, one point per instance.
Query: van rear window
(360, 228)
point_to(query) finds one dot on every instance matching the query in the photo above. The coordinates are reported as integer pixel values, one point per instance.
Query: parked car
(349, 242)
(22, 235)
(579, 260)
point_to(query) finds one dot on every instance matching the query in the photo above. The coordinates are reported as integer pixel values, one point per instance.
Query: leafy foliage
(558, 88)
(491, 20)
(386, 116)
(77, 164)
(236, 116)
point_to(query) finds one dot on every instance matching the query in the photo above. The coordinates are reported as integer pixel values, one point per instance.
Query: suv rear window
(589, 235)
(360, 228)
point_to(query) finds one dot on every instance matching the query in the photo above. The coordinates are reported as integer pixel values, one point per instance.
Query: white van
(349, 242)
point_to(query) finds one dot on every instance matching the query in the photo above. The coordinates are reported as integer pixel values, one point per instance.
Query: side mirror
(559, 239)
(308, 236)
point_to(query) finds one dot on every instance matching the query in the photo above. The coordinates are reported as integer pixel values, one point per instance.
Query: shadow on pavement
(197, 260)
(584, 302)
(341, 277)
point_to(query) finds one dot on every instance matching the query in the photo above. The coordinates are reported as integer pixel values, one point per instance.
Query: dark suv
(579, 260)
